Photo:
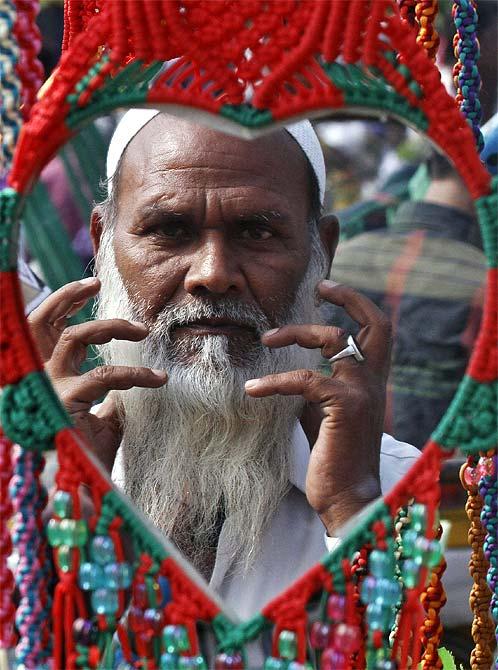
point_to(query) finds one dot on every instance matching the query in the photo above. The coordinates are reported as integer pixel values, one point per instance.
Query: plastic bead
(273, 663)
(65, 558)
(126, 576)
(90, 576)
(409, 539)
(168, 661)
(381, 564)
(175, 639)
(54, 536)
(418, 517)
(409, 573)
(73, 532)
(229, 661)
(336, 606)
(333, 660)
(319, 635)
(379, 616)
(102, 549)
(63, 504)
(346, 638)
(112, 575)
(188, 662)
(105, 601)
(485, 467)
(287, 644)
(470, 476)
(434, 553)
(85, 632)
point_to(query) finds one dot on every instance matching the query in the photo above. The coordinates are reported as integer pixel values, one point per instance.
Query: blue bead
(102, 549)
(368, 589)
(112, 575)
(126, 575)
(105, 601)
(90, 576)
(273, 663)
(379, 617)
(381, 564)
(168, 661)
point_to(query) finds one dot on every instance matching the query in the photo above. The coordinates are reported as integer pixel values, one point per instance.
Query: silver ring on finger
(353, 349)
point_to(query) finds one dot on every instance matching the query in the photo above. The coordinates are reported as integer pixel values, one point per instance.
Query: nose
(214, 269)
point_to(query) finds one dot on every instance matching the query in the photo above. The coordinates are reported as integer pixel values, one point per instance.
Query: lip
(213, 327)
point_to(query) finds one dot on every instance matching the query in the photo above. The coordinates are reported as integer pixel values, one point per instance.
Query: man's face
(202, 215)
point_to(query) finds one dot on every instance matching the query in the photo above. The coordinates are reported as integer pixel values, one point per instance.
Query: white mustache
(176, 315)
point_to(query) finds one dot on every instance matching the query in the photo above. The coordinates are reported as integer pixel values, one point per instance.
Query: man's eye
(173, 231)
(255, 232)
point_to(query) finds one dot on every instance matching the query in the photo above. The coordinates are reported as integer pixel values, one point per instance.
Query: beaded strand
(7, 607)
(10, 116)
(465, 73)
(488, 490)
(480, 595)
(33, 569)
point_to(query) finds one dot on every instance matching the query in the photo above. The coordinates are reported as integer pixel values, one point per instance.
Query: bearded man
(210, 257)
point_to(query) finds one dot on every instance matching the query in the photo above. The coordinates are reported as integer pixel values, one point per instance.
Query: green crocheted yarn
(247, 115)
(31, 414)
(487, 212)
(113, 504)
(373, 92)
(356, 534)
(9, 228)
(128, 88)
(470, 422)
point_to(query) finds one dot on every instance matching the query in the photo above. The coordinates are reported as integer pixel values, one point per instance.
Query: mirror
(216, 234)
(201, 414)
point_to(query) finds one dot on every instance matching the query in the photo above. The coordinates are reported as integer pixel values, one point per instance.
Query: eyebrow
(265, 215)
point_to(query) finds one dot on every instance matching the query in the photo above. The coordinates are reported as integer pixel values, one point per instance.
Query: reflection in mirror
(410, 241)
(211, 241)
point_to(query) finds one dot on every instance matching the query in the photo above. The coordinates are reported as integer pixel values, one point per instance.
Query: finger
(374, 336)
(70, 350)
(360, 308)
(91, 386)
(64, 301)
(310, 384)
(328, 338)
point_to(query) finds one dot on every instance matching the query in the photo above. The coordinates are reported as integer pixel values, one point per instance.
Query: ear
(95, 229)
(328, 227)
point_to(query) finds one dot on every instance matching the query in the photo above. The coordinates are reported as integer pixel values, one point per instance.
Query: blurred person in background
(426, 272)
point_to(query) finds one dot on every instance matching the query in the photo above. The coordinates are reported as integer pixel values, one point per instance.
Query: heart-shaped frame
(245, 68)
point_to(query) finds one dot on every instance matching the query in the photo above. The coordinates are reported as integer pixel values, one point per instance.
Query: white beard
(199, 450)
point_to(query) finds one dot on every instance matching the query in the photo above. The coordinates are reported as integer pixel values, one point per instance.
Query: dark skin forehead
(274, 163)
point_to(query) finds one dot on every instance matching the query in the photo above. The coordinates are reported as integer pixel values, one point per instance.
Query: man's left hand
(343, 472)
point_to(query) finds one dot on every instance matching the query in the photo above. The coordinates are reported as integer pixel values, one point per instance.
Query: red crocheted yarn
(19, 355)
(483, 365)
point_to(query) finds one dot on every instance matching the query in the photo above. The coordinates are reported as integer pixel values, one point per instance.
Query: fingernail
(139, 324)
(272, 331)
(251, 383)
(329, 283)
(88, 280)
(159, 373)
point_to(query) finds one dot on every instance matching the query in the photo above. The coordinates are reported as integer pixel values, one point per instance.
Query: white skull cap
(135, 119)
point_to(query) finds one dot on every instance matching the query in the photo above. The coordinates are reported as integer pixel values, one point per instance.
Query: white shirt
(294, 540)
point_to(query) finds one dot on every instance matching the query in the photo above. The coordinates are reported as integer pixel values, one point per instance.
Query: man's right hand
(63, 349)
